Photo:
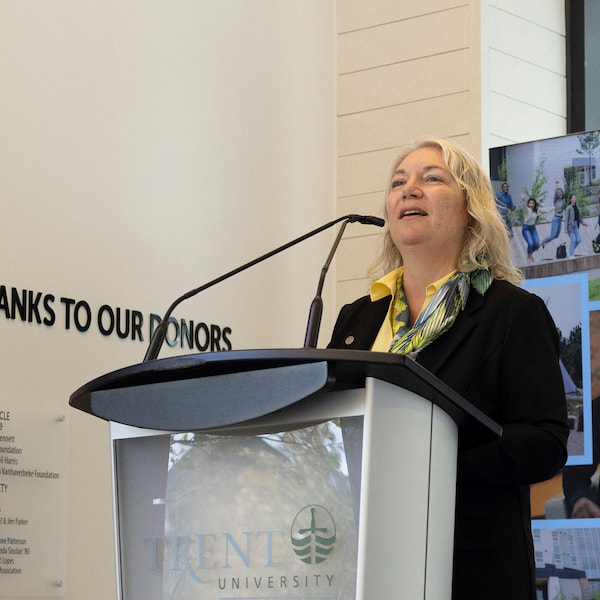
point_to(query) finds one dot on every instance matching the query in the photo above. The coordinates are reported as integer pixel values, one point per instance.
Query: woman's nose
(411, 189)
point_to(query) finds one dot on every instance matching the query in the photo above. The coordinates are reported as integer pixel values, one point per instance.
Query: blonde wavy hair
(486, 238)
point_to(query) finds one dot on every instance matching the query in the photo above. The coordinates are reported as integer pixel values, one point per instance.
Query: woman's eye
(397, 183)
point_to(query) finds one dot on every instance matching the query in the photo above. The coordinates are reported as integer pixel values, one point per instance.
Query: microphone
(316, 308)
(158, 337)
(365, 220)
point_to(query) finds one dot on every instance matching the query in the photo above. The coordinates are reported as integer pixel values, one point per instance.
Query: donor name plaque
(237, 517)
(33, 446)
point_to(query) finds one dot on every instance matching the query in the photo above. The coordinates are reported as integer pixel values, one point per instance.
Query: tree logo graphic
(313, 534)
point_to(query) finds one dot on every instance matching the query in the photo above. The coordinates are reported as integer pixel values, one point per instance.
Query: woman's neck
(417, 276)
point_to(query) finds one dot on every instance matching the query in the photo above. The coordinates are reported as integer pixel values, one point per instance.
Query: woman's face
(426, 207)
(531, 204)
(573, 199)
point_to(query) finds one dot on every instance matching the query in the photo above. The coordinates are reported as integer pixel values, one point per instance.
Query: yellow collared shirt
(384, 287)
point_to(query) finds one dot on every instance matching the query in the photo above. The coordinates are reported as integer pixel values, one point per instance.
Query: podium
(295, 473)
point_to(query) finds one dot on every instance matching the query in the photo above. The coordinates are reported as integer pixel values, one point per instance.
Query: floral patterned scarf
(439, 314)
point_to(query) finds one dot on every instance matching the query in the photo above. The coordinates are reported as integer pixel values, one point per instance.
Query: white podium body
(406, 444)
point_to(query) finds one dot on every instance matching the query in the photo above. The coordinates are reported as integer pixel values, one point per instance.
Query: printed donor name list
(32, 492)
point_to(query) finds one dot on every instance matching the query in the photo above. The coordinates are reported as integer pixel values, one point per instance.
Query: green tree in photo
(538, 190)
(503, 171)
(570, 354)
(573, 186)
(573, 182)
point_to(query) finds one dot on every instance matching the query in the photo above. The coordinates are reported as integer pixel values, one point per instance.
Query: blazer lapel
(364, 327)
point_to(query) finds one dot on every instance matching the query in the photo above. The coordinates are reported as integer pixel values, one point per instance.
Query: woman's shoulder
(512, 304)
(504, 291)
(506, 288)
(510, 296)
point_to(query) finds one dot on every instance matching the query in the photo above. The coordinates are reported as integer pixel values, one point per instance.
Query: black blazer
(501, 355)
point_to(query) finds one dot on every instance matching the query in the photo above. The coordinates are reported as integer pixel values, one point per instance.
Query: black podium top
(202, 392)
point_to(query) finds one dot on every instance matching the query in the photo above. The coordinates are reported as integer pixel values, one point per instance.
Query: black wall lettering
(202, 337)
(38, 308)
(19, 304)
(51, 318)
(105, 314)
(68, 302)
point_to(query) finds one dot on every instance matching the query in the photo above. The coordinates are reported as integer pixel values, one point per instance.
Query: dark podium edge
(313, 370)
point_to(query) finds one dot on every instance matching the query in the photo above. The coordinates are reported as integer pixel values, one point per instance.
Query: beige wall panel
(357, 230)
(527, 83)
(359, 14)
(545, 13)
(356, 255)
(446, 116)
(364, 204)
(349, 291)
(519, 122)
(496, 140)
(368, 172)
(404, 82)
(464, 141)
(365, 173)
(525, 39)
(403, 40)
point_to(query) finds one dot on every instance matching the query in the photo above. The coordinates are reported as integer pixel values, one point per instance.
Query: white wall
(147, 147)
(482, 72)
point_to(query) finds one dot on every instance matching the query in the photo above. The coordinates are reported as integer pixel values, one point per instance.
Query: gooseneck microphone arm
(160, 333)
(316, 308)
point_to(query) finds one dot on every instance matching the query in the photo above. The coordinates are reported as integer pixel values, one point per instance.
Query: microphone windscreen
(366, 220)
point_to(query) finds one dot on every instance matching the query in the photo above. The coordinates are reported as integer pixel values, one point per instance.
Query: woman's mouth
(412, 212)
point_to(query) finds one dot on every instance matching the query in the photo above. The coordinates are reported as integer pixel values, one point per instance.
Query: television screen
(548, 193)
(543, 177)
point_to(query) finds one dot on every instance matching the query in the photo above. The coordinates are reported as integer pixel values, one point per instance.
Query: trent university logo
(313, 534)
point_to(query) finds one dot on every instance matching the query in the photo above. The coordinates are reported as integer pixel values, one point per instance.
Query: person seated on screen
(581, 495)
(449, 299)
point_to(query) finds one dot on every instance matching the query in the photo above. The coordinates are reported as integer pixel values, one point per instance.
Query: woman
(572, 224)
(557, 219)
(596, 240)
(451, 302)
(528, 230)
